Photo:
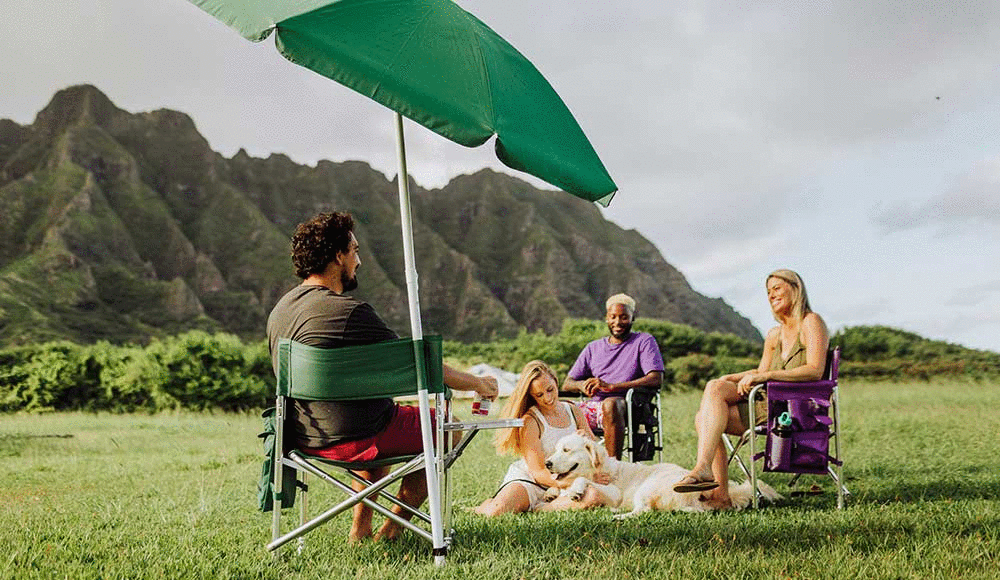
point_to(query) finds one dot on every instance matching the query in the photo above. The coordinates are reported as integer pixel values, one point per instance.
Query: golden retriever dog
(634, 486)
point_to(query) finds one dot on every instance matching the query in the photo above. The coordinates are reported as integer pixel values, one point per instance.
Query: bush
(199, 371)
(195, 370)
(51, 376)
(122, 389)
(691, 371)
(558, 351)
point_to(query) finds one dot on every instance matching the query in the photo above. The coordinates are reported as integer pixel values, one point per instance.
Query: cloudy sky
(856, 142)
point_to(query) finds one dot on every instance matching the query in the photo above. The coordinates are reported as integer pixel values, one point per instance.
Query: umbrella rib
(402, 48)
(486, 71)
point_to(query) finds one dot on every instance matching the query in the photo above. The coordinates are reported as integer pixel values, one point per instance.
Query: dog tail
(742, 494)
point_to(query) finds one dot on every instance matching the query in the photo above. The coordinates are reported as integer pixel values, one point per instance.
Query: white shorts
(517, 474)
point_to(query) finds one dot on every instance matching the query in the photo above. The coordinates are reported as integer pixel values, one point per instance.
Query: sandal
(691, 484)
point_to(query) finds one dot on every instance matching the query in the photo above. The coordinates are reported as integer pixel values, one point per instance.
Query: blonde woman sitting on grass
(546, 420)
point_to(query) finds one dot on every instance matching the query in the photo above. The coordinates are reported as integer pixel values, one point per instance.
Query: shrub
(46, 377)
(122, 388)
(691, 371)
(197, 370)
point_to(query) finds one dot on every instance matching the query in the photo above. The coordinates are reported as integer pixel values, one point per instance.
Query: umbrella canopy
(438, 65)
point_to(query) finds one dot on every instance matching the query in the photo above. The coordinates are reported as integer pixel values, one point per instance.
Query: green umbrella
(438, 65)
(443, 68)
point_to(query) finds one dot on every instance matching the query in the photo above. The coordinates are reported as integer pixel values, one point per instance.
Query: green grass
(173, 496)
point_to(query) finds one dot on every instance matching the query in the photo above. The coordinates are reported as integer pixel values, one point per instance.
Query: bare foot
(389, 532)
(356, 536)
(713, 502)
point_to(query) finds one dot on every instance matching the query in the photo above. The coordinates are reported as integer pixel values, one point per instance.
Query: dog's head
(576, 456)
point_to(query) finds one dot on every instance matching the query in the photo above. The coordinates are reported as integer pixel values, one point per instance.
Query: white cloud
(972, 202)
(854, 141)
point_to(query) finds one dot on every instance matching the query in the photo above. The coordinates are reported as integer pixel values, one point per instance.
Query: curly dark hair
(317, 241)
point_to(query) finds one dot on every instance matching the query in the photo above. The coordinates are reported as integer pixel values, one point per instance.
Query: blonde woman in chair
(795, 350)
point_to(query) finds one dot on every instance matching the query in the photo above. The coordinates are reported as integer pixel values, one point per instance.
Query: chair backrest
(832, 365)
(382, 369)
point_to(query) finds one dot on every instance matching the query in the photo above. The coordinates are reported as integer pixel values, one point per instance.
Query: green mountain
(122, 226)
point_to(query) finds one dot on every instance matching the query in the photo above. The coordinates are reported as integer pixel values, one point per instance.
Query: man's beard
(626, 331)
(348, 284)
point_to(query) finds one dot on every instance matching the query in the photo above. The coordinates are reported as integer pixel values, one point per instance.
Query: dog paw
(551, 494)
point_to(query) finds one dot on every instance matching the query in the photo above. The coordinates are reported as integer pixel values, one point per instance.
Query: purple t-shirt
(617, 363)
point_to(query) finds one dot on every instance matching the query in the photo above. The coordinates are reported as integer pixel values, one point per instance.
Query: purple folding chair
(803, 423)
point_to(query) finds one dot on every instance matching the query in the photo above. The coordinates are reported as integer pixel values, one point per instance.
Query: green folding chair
(385, 369)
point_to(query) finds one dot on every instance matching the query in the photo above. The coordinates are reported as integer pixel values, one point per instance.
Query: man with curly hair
(318, 312)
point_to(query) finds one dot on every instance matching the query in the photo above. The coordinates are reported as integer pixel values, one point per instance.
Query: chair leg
(303, 510)
(276, 521)
(734, 452)
(628, 446)
(445, 440)
(838, 477)
(659, 429)
(433, 468)
(409, 467)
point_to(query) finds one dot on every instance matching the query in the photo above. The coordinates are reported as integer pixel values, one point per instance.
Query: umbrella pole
(431, 457)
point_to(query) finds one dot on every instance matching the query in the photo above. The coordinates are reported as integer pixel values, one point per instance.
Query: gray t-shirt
(318, 316)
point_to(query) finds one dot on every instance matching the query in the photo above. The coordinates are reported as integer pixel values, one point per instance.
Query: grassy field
(173, 496)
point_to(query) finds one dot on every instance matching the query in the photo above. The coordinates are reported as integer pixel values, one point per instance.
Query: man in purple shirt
(608, 367)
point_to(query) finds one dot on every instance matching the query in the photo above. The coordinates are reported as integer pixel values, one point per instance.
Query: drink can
(480, 405)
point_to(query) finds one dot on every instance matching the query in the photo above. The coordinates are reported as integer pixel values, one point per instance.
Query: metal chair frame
(347, 373)
(784, 391)
(628, 449)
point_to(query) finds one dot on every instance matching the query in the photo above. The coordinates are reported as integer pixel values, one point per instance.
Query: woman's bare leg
(713, 419)
(719, 497)
(512, 498)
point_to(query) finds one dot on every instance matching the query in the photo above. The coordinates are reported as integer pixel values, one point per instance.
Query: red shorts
(400, 437)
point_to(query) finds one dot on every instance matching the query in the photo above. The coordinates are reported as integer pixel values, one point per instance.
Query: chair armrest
(803, 390)
(651, 391)
(483, 424)
(801, 385)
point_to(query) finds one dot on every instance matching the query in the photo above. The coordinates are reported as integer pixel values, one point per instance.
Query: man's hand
(593, 385)
(488, 388)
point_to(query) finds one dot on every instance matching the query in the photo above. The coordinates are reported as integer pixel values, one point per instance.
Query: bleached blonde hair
(625, 300)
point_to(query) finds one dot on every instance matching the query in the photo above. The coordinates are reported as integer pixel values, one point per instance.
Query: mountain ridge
(125, 226)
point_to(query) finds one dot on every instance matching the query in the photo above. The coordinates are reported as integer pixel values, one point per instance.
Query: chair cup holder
(803, 447)
(804, 413)
(779, 451)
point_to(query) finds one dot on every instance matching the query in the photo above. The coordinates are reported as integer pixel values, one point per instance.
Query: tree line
(201, 371)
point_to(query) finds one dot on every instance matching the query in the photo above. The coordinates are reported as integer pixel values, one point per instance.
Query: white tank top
(550, 435)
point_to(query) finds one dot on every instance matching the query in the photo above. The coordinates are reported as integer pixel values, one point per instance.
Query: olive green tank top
(796, 356)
